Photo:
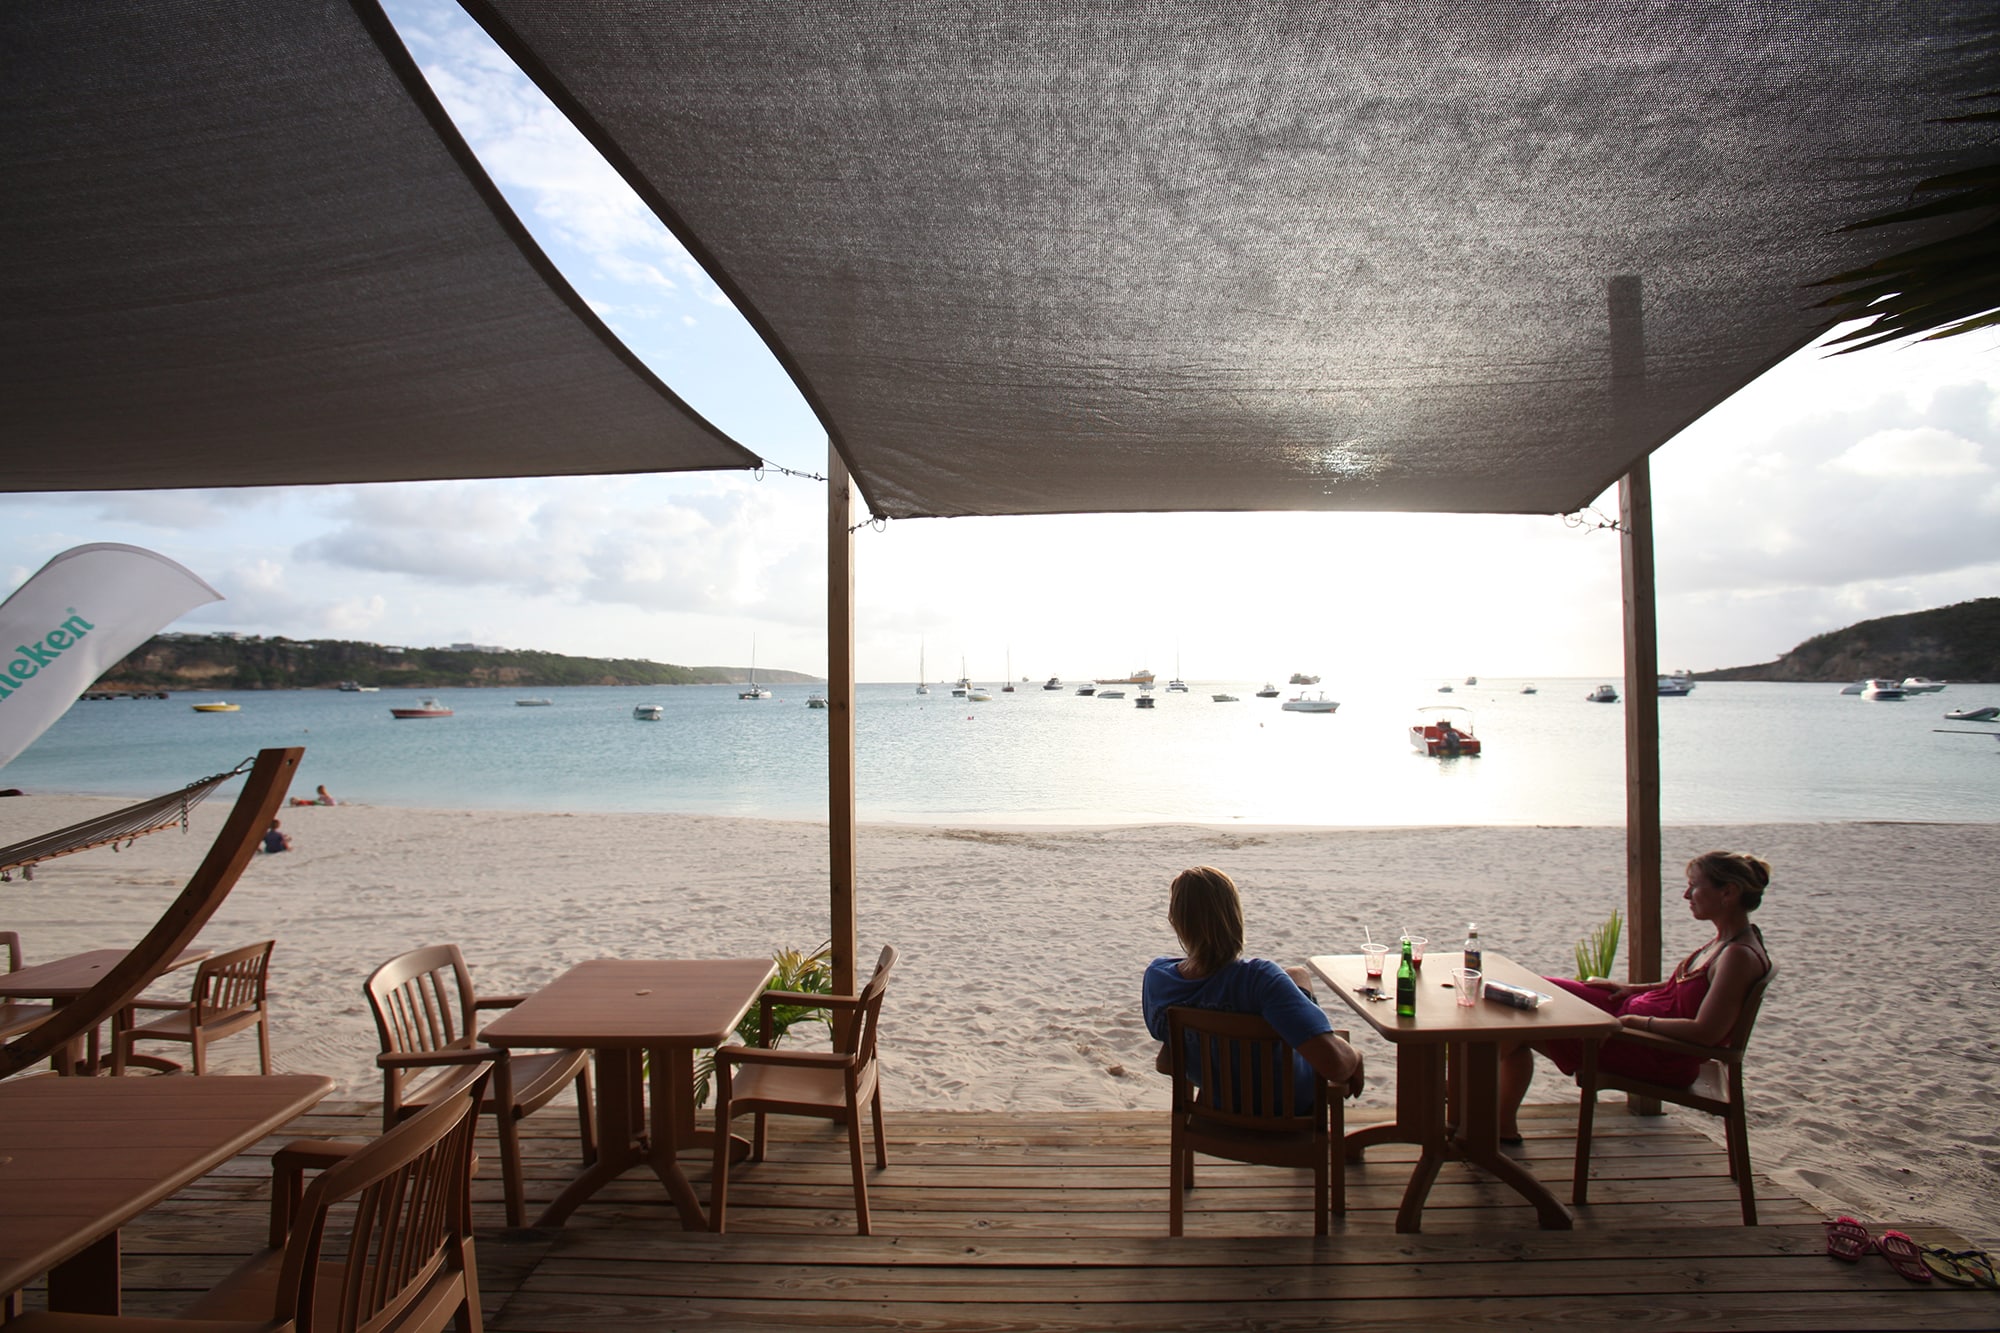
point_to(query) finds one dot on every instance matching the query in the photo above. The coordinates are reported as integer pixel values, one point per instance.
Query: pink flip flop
(1848, 1239)
(1903, 1255)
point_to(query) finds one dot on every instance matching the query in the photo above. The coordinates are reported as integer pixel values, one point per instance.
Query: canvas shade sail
(1034, 258)
(242, 245)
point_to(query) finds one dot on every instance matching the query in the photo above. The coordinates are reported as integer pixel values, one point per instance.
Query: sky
(1832, 490)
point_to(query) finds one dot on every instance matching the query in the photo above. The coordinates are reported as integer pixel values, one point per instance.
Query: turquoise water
(1731, 753)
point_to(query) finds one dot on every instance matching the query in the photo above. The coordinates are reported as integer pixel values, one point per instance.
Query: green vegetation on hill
(221, 662)
(1959, 642)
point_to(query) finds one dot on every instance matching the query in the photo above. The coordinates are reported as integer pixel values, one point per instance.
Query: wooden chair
(830, 1085)
(16, 1017)
(229, 997)
(424, 1008)
(380, 1242)
(1717, 1089)
(1240, 1102)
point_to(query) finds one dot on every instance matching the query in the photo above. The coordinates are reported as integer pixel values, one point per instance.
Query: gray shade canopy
(242, 245)
(1025, 257)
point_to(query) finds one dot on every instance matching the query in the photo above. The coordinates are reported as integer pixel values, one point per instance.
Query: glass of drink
(1417, 943)
(1371, 959)
(1467, 981)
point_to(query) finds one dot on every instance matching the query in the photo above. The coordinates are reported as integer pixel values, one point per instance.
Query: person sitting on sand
(1699, 1003)
(1207, 915)
(323, 798)
(276, 839)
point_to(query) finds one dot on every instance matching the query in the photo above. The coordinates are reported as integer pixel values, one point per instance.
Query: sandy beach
(1874, 1076)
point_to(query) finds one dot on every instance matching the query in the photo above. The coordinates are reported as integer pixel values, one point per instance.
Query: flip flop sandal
(1847, 1239)
(1903, 1255)
(1980, 1265)
(1945, 1266)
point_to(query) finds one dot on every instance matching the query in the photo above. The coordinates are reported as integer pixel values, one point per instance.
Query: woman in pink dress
(1699, 1003)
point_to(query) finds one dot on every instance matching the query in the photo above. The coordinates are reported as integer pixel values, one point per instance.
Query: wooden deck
(1052, 1221)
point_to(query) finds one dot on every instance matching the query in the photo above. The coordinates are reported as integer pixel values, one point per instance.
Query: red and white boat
(1443, 732)
(428, 708)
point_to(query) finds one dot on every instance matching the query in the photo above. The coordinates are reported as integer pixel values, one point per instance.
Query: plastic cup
(1417, 943)
(1467, 981)
(1371, 959)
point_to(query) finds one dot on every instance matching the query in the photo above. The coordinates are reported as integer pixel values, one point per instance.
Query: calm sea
(1731, 753)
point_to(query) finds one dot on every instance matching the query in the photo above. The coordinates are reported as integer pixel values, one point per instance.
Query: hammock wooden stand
(120, 826)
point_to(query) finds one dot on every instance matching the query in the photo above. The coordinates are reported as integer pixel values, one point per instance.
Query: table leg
(88, 1281)
(620, 1121)
(673, 1119)
(1420, 1089)
(1478, 1137)
(1415, 1103)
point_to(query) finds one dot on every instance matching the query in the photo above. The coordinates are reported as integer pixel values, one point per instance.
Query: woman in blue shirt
(1207, 915)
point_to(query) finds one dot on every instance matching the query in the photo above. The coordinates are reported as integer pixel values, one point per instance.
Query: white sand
(1875, 1068)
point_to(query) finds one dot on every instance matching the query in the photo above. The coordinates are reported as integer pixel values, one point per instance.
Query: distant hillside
(219, 662)
(1960, 642)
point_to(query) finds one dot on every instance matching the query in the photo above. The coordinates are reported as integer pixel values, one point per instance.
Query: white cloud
(1924, 451)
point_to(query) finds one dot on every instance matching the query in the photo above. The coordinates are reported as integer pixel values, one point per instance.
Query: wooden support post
(1642, 652)
(840, 718)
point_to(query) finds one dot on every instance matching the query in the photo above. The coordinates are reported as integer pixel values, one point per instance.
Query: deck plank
(988, 1221)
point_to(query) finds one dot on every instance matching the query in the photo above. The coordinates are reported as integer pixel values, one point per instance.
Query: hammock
(126, 826)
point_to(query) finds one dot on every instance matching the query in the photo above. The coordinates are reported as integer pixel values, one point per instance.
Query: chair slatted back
(384, 1224)
(859, 1038)
(422, 1000)
(1236, 1070)
(233, 981)
(12, 940)
(1746, 1018)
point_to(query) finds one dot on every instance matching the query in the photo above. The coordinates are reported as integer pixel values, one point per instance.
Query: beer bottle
(1472, 952)
(1406, 984)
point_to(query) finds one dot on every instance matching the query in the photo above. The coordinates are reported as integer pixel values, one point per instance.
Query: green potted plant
(806, 973)
(1597, 952)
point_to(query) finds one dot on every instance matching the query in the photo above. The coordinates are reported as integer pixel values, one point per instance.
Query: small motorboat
(1224, 698)
(977, 694)
(428, 708)
(1855, 688)
(217, 708)
(1144, 700)
(1922, 685)
(1301, 678)
(1472, 680)
(1445, 688)
(1053, 683)
(648, 713)
(536, 702)
(1269, 691)
(1111, 694)
(1529, 688)
(1973, 715)
(815, 700)
(1603, 694)
(1443, 732)
(1086, 689)
(1676, 685)
(356, 687)
(1301, 704)
(1885, 690)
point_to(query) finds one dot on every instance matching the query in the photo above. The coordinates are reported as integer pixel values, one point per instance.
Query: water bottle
(1472, 955)
(1406, 984)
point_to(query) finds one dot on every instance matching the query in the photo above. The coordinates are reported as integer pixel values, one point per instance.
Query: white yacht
(647, 713)
(1922, 685)
(1882, 689)
(1301, 704)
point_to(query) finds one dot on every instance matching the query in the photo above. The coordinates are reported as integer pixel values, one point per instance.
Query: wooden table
(1473, 1037)
(66, 979)
(80, 1157)
(624, 1011)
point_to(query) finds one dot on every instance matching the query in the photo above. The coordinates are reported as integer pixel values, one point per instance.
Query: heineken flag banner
(75, 620)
